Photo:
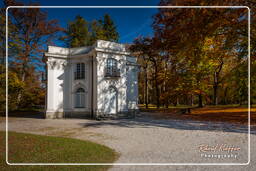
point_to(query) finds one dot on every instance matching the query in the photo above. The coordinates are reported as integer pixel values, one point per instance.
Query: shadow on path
(146, 122)
(27, 114)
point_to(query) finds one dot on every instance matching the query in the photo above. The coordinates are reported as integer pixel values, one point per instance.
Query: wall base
(54, 115)
(77, 114)
(59, 115)
(131, 113)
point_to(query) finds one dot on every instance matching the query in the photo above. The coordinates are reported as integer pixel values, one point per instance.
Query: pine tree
(82, 33)
(109, 29)
(78, 33)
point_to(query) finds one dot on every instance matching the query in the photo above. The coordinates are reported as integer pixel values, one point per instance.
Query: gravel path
(146, 140)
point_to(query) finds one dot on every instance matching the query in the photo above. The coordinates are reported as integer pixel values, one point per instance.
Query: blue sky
(130, 22)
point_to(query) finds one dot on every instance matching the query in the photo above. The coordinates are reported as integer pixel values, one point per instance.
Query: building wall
(132, 88)
(73, 84)
(55, 87)
(103, 83)
(62, 85)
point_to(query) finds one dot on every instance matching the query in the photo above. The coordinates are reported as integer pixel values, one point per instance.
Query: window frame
(111, 67)
(79, 71)
(80, 98)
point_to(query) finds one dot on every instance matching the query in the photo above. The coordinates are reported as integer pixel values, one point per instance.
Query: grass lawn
(221, 113)
(28, 148)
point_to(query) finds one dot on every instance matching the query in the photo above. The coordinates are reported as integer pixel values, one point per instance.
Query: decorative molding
(112, 51)
(57, 64)
(79, 85)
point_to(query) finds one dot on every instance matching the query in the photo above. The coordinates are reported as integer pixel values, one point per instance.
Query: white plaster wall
(55, 84)
(62, 85)
(83, 83)
(50, 89)
(132, 87)
(103, 83)
(67, 87)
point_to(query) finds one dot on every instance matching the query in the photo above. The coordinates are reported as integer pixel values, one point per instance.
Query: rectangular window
(83, 71)
(111, 69)
(80, 71)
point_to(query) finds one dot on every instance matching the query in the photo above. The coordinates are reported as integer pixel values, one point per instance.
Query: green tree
(82, 33)
(78, 33)
(108, 29)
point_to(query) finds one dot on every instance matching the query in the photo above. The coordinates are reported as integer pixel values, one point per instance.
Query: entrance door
(111, 101)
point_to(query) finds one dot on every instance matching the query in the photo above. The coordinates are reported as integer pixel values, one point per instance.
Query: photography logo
(219, 151)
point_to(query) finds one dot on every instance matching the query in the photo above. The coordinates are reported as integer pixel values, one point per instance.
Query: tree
(140, 51)
(148, 48)
(11, 34)
(33, 31)
(15, 87)
(2, 37)
(82, 33)
(183, 32)
(108, 30)
(196, 51)
(78, 33)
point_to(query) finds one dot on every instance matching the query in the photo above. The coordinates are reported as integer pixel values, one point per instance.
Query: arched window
(80, 98)
(111, 68)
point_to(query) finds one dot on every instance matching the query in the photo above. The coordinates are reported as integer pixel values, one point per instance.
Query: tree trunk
(215, 94)
(156, 86)
(216, 83)
(146, 89)
(167, 105)
(157, 96)
(215, 89)
(192, 100)
(144, 92)
(200, 100)
(225, 95)
(19, 94)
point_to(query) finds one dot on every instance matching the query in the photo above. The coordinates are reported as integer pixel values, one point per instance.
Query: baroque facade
(96, 81)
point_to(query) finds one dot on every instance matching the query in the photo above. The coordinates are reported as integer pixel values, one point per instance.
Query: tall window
(111, 69)
(80, 71)
(80, 98)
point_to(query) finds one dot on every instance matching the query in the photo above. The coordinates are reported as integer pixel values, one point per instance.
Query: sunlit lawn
(222, 113)
(28, 148)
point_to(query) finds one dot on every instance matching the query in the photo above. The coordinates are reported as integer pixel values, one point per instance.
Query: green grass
(28, 148)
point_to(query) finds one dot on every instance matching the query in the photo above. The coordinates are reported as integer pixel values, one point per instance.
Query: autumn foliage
(196, 55)
(29, 30)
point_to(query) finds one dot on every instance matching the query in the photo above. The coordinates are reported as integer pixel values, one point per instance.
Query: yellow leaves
(225, 110)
